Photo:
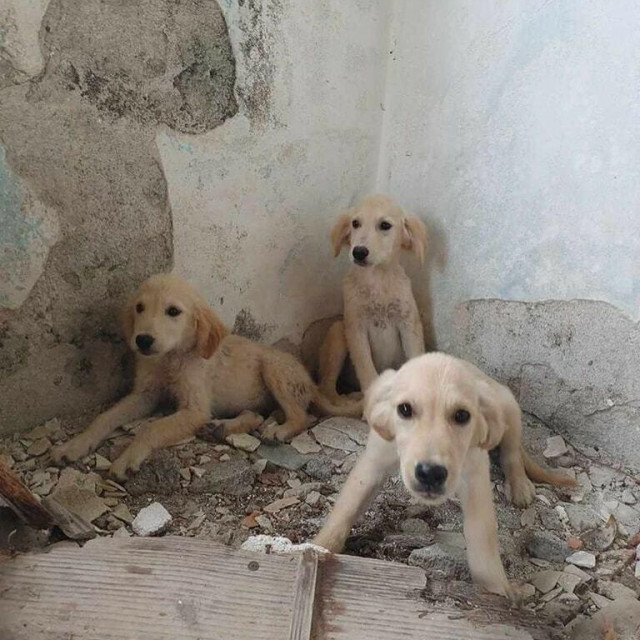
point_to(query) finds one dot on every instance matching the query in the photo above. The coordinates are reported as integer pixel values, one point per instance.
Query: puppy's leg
(159, 433)
(372, 469)
(292, 388)
(412, 336)
(333, 354)
(360, 352)
(217, 430)
(480, 525)
(520, 489)
(131, 407)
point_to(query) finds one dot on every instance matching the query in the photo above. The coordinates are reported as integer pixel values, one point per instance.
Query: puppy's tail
(349, 408)
(538, 474)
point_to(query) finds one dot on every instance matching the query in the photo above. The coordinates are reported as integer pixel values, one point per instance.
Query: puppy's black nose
(431, 476)
(360, 253)
(144, 341)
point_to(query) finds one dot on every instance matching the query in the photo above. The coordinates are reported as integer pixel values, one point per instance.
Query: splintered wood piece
(304, 590)
(72, 525)
(22, 501)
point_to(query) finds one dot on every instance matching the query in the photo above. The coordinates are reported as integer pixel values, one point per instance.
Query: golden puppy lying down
(183, 351)
(437, 417)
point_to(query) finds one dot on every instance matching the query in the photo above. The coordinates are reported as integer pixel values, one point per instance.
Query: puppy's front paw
(214, 431)
(73, 450)
(280, 432)
(330, 540)
(520, 491)
(130, 460)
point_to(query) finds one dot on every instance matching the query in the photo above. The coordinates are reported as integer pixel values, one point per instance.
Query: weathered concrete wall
(515, 128)
(218, 139)
(84, 213)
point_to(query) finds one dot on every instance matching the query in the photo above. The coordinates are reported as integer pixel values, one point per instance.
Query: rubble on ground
(574, 553)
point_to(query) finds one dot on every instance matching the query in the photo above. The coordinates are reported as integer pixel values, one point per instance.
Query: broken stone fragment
(556, 447)
(305, 444)
(39, 447)
(152, 520)
(243, 441)
(582, 559)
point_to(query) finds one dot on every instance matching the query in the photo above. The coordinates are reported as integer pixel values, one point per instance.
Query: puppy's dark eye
(173, 311)
(355, 223)
(461, 416)
(405, 410)
(385, 226)
(139, 307)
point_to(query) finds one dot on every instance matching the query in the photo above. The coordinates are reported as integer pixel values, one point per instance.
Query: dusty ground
(228, 493)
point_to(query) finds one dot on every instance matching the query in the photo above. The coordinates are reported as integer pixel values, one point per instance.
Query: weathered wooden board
(186, 589)
(361, 599)
(146, 589)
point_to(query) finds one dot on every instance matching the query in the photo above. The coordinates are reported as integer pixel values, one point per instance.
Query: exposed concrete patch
(29, 229)
(246, 325)
(20, 55)
(82, 138)
(573, 364)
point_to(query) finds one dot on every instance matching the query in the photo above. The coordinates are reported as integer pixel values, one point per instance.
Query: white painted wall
(515, 128)
(253, 201)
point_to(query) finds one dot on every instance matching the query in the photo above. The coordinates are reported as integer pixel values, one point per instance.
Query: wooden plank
(303, 597)
(360, 599)
(22, 501)
(147, 589)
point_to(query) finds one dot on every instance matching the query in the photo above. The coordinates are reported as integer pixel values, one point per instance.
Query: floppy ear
(340, 233)
(488, 415)
(378, 410)
(414, 236)
(209, 331)
(126, 320)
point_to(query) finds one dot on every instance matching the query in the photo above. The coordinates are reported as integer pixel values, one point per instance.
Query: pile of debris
(574, 553)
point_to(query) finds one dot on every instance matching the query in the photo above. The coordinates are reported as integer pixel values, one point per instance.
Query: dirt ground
(231, 491)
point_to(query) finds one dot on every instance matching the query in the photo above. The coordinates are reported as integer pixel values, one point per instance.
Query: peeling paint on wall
(80, 140)
(28, 230)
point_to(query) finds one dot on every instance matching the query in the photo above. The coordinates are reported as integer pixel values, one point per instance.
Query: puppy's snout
(360, 253)
(431, 476)
(144, 341)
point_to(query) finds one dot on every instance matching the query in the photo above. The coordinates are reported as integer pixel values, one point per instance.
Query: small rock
(243, 441)
(225, 457)
(283, 455)
(615, 590)
(313, 498)
(528, 517)
(198, 472)
(576, 571)
(160, 475)
(603, 537)
(547, 546)
(121, 533)
(234, 477)
(122, 512)
(328, 436)
(545, 581)
(598, 600)
(526, 592)
(260, 465)
(185, 474)
(415, 527)
(556, 447)
(320, 467)
(628, 497)
(603, 476)
(281, 504)
(582, 559)
(449, 538)
(564, 608)
(568, 581)
(264, 522)
(250, 521)
(357, 430)
(448, 562)
(39, 447)
(152, 520)
(102, 463)
(305, 444)
(561, 513)
(554, 593)
(581, 517)
(575, 544)
(204, 459)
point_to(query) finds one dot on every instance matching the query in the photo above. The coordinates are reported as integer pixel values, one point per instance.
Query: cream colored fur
(437, 386)
(381, 327)
(195, 361)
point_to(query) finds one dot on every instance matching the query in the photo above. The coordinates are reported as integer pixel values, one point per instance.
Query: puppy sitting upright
(381, 327)
(183, 351)
(437, 418)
